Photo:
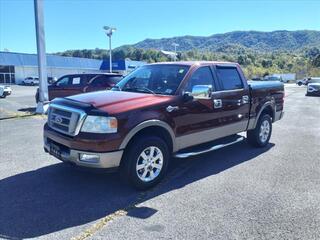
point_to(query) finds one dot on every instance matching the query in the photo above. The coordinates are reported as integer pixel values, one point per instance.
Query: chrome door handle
(245, 99)
(172, 108)
(217, 103)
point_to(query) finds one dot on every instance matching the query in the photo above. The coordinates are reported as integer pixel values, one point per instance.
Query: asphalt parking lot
(234, 193)
(20, 103)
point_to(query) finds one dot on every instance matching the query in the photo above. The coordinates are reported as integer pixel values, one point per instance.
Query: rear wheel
(260, 136)
(145, 162)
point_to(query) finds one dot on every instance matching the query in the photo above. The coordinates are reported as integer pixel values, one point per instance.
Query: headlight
(310, 88)
(99, 124)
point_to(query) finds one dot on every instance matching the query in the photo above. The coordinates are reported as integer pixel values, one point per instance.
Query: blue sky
(77, 24)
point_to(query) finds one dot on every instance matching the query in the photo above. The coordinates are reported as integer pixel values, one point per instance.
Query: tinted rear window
(229, 78)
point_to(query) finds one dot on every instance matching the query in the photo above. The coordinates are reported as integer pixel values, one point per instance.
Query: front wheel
(260, 136)
(145, 162)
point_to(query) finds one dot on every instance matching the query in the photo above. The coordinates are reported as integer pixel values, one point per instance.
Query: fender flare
(253, 122)
(145, 124)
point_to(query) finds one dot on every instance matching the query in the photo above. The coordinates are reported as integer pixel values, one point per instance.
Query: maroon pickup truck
(161, 110)
(80, 83)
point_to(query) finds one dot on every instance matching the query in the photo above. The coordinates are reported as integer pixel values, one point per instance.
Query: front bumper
(65, 154)
(313, 92)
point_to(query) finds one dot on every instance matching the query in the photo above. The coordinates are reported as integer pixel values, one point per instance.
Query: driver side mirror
(201, 91)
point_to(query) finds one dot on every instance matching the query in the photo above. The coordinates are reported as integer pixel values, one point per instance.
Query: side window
(201, 76)
(63, 82)
(229, 78)
(100, 81)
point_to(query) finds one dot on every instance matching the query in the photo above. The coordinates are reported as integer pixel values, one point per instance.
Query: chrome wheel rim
(149, 163)
(264, 131)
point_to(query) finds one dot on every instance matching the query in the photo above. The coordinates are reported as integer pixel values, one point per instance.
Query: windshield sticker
(169, 91)
(181, 70)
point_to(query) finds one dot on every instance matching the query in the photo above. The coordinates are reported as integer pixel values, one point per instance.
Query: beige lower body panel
(210, 135)
(106, 160)
(253, 121)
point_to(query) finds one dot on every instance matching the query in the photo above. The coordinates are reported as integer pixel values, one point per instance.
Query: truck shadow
(58, 197)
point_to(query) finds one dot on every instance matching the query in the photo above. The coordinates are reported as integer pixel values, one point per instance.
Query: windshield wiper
(139, 89)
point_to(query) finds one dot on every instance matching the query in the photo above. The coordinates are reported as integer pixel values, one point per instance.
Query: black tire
(253, 136)
(128, 168)
(299, 83)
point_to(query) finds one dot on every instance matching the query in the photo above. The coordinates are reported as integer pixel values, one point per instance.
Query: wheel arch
(151, 127)
(267, 107)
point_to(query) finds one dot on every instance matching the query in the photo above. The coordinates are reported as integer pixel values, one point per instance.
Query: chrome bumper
(101, 160)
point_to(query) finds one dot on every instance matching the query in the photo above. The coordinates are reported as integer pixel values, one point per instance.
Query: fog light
(90, 158)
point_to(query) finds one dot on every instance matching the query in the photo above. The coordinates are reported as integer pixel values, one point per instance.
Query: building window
(7, 74)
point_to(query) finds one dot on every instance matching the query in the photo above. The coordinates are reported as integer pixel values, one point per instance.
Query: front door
(66, 86)
(195, 119)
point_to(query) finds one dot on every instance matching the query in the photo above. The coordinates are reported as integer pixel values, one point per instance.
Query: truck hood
(114, 102)
(314, 84)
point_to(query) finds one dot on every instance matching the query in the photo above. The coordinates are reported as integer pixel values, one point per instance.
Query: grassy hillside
(259, 53)
(252, 40)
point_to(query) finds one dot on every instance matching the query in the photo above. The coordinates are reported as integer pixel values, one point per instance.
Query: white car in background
(313, 88)
(5, 91)
(31, 81)
(301, 82)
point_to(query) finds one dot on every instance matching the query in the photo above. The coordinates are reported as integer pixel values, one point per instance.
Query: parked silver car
(313, 87)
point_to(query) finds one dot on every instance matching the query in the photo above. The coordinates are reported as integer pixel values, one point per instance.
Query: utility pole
(42, 61)
(109, 31)
(175, 50)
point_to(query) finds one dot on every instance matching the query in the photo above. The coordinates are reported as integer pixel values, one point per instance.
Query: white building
(14, 67)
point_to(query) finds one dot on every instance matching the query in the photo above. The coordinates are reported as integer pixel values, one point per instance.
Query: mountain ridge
(259, 41)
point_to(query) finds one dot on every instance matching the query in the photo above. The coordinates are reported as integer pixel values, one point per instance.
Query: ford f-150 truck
(162, 110)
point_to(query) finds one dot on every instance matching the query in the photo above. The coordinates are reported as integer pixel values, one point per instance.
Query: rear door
(231, 98)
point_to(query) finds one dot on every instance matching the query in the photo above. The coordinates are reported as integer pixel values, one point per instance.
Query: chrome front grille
(66, 120)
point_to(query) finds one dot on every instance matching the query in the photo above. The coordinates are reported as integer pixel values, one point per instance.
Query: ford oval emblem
(58, 119)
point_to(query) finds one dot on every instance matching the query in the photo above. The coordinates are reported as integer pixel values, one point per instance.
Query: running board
(213, 148)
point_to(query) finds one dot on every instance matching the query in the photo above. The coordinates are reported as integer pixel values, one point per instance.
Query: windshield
(314, 81)
(154, 79)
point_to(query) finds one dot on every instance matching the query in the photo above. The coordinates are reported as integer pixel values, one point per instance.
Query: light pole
(42, 61)
(175, 50)
(109, 31)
